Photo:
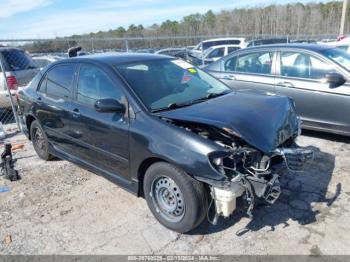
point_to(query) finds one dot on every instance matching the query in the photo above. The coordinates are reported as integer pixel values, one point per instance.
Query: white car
(343, 44)
(204, 45)
(213, 54)
(42, 61)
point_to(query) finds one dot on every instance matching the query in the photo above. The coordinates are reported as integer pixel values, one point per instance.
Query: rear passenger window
(255, 63)
(218, 52)
(94, 84)
(60, 80)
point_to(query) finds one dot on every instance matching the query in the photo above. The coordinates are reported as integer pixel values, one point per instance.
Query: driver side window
(303, 65)
(94, 84)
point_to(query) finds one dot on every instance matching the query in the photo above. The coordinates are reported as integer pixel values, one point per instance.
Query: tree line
(297, 20)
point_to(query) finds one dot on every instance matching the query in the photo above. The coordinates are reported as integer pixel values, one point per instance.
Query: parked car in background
(303, 41)
(164, 130)
(315, 76)
(268, 41)
(42, 61)
(213, 54)
(19, 69)
(174, 52)
(343, 44)
(204, 45)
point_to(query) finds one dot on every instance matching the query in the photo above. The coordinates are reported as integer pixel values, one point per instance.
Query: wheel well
(142, 171)
(29, 121)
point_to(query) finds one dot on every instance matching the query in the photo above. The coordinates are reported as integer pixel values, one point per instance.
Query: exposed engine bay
(250, 173)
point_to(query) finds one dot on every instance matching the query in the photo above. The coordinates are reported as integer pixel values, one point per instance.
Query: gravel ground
(59, 208)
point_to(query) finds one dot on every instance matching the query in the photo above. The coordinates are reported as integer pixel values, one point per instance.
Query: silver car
(19, 69)
(317, 77)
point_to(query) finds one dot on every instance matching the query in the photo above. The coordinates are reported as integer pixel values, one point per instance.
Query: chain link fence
(12, 61)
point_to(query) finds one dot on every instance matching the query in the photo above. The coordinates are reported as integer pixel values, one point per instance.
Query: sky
(54, 18)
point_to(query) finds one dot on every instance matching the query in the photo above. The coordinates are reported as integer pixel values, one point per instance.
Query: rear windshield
(16, 60)
(206, 45)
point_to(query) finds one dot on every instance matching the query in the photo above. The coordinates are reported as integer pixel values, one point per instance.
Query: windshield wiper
(194, 101)
(171, 107)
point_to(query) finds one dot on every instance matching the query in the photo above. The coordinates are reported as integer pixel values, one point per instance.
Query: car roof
(112, 59)
(222, 39)
(170, 49)
(218, 46)
(311, 47)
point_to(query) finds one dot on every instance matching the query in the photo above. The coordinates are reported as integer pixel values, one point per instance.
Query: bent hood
(262, 121)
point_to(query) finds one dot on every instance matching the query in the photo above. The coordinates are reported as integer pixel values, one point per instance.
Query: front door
(103, 139)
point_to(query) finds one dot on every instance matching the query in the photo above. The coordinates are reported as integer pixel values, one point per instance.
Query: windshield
(165, 84)
(338, 56)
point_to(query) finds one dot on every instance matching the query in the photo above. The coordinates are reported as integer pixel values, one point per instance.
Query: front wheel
(178, 201)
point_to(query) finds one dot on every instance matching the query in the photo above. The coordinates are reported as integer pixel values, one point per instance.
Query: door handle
(285, 84)
(76, 112)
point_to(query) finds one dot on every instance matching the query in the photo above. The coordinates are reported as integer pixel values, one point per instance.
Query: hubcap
(39, 140)
(167, 199)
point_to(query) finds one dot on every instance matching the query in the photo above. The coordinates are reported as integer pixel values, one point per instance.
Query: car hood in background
(263, 121)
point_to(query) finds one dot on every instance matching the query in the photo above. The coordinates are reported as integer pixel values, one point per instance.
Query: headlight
(216, 160)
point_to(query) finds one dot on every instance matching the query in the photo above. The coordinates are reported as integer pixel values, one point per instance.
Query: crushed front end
(256, 138)
(253, 174)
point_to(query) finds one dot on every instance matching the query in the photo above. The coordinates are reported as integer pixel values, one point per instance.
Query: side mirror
(109, 105)
(335, 79)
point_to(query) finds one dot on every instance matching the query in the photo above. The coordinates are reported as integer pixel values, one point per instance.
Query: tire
(40, 142)
(177, 201)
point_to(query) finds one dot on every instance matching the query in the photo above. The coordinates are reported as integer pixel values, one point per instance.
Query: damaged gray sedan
(164, 130)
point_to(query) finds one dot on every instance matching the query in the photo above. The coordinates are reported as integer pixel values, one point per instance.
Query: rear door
(251, 70)
(302, 77)
(103, 139)
(54, 105)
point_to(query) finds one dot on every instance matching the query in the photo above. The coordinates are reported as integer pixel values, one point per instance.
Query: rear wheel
(178, 201)
(39, 140)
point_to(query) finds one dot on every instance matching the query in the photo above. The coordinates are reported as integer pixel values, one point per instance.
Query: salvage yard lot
(59, 208)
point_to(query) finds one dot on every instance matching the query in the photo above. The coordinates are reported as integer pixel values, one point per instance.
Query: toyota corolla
(164, 130)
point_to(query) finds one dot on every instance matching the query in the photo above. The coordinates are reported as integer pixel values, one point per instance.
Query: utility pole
(343, 17)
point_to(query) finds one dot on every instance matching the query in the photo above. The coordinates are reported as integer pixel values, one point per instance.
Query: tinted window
(17, 60)
(301, 65)
(218, 52)
(206, 45)
(59, 81)
(256, 63)
(232, 49)
(94, 84)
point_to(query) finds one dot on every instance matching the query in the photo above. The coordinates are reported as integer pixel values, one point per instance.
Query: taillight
(11, 82)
